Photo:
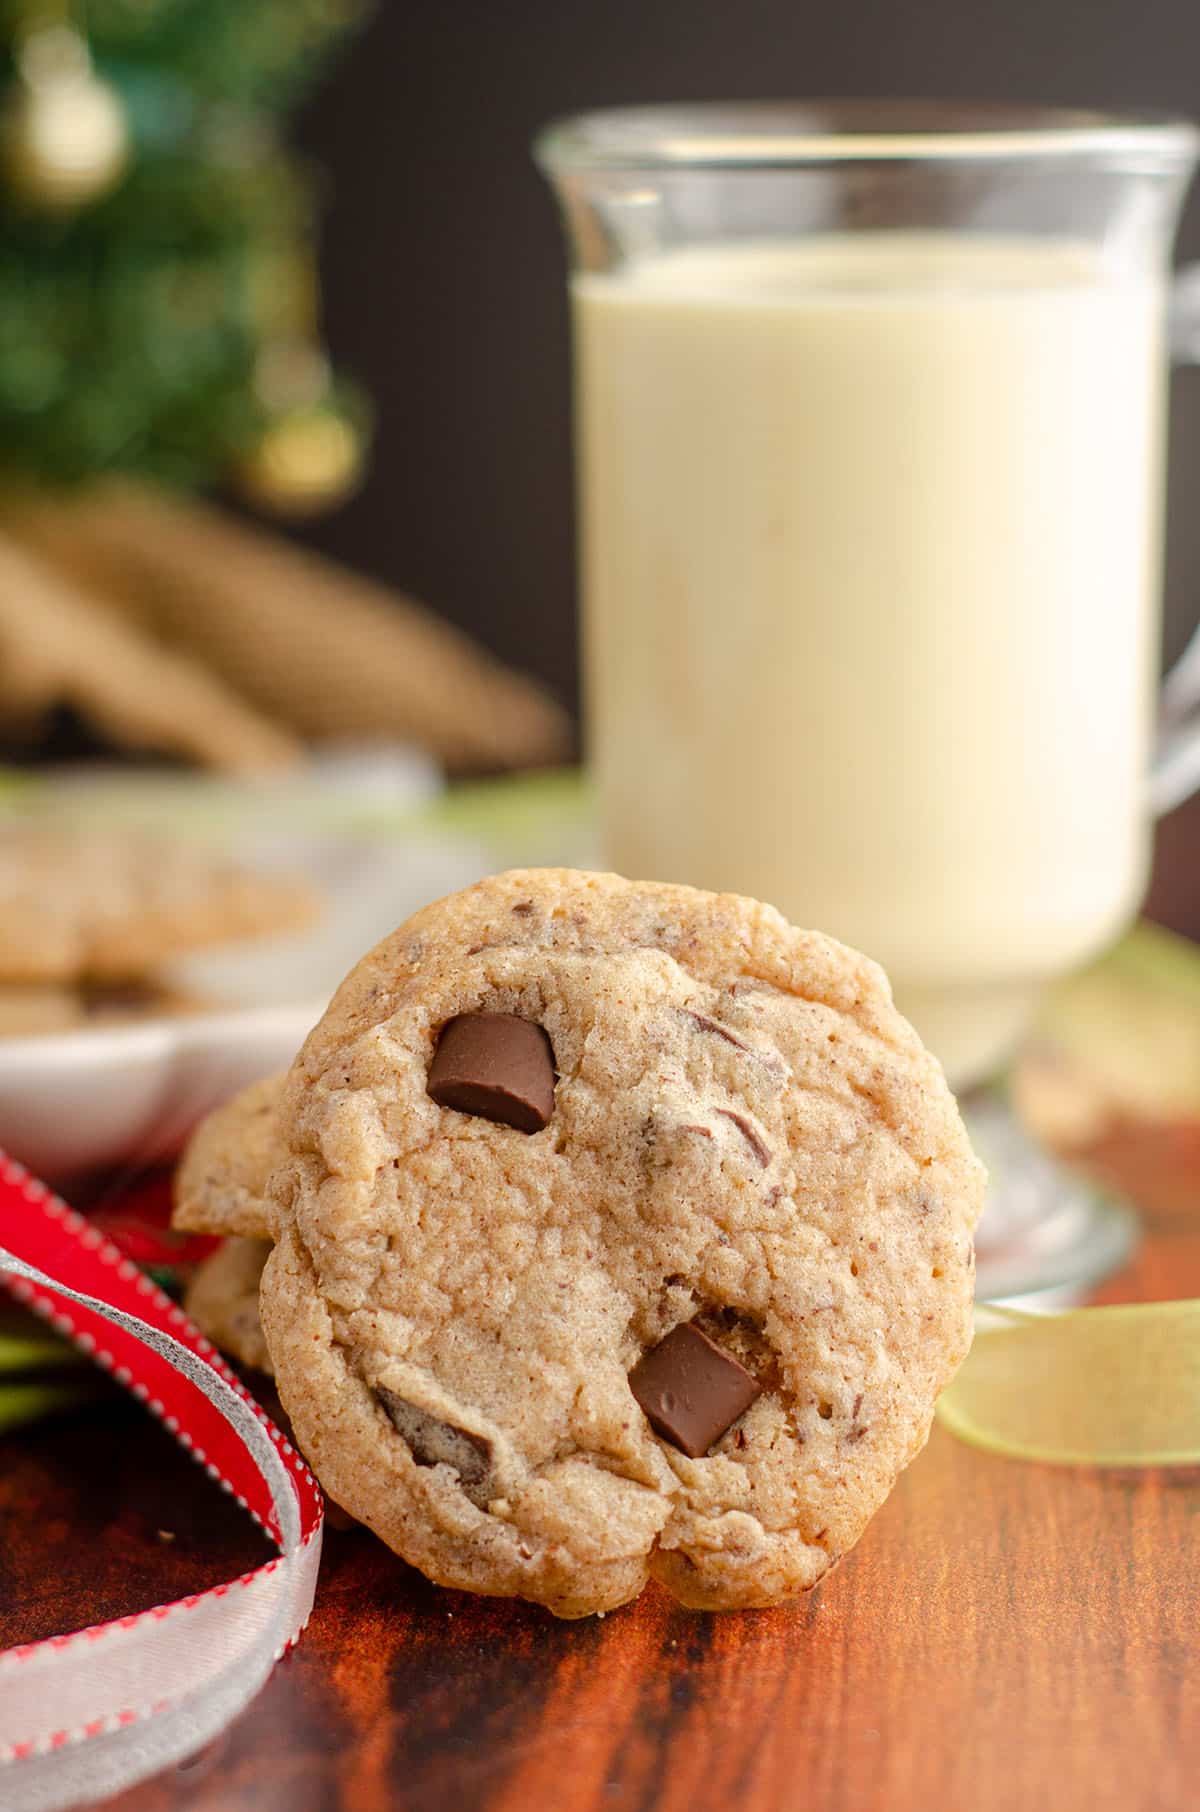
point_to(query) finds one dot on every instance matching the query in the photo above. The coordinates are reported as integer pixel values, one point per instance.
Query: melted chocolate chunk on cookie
(497, 1067)
(690, 1390)
(433, 1442)
(741, 1337)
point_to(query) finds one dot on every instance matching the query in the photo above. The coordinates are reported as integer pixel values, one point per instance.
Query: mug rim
(794, 133)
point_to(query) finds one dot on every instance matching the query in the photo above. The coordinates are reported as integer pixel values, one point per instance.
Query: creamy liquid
(870, 566)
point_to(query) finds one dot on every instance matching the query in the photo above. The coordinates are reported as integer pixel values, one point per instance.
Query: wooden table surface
(1006, 1637)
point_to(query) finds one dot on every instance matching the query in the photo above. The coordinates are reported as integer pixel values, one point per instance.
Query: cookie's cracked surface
(744, 1133)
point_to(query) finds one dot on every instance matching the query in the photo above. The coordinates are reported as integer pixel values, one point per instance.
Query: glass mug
(870, 405)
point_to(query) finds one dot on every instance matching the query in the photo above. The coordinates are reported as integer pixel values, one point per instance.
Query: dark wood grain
(1005, 1637)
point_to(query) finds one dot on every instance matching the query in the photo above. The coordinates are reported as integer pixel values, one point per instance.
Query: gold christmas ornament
(307, 459)
(64, 137)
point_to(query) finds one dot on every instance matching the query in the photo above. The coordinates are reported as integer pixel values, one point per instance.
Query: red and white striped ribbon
(84, 1715)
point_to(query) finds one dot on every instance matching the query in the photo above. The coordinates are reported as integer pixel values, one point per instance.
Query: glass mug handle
(1175, 771)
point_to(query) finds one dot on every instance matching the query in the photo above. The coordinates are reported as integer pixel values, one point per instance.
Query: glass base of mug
(1045, 1233)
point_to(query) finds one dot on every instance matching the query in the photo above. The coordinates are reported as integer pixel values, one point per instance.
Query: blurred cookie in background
(222, 1299)
(43, 1008)
(113, 905)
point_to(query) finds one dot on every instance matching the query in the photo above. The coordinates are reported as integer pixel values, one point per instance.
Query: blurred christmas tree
(158, 298)
(159, 329)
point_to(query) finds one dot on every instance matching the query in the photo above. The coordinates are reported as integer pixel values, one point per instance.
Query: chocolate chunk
(749, 1133)
(496, 1066)
(437, 1443)
(691, 1390)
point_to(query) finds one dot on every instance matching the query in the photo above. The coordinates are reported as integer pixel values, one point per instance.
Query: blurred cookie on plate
(114, 904)
(39, 1009)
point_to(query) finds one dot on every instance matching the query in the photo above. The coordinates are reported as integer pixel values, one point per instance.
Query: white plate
(129, 1095)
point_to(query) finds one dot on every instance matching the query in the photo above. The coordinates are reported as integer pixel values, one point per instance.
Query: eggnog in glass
(870, 423)
(870, 563)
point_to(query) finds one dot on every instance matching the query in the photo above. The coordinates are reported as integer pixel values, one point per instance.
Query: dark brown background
(444, 268)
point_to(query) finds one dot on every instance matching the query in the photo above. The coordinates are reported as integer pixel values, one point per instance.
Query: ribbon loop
(86, 1715)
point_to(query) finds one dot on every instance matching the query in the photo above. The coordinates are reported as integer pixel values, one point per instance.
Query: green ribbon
(1114, 1386)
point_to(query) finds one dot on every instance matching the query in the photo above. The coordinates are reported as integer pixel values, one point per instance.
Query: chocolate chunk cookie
(656, 1269)
(221, 1181)
(222, 1299)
